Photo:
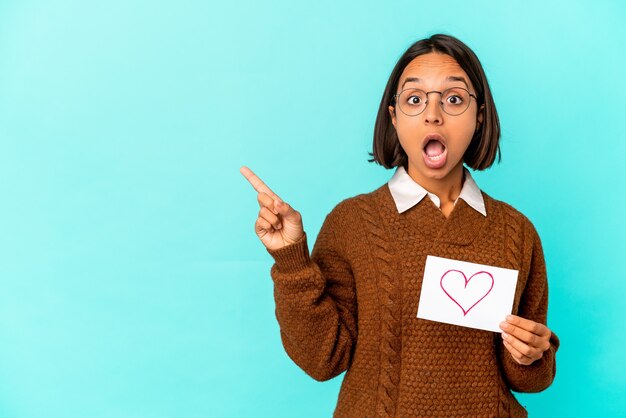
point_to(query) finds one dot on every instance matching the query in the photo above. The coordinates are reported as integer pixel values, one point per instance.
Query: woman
(351, 304)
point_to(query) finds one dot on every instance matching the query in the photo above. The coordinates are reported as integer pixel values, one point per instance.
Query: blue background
(132, 282)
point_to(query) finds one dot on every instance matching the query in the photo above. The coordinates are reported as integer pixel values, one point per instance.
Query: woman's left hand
(526, 340)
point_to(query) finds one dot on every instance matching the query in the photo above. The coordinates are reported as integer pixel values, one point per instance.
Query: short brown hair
(484, 146)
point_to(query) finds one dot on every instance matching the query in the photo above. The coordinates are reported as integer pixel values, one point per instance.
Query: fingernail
(504, 325)
(505, 335)
(279, 226)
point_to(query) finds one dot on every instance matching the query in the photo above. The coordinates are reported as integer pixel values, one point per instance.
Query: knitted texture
(351, 305)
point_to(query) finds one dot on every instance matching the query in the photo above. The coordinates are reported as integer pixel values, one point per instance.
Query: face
(435, 159)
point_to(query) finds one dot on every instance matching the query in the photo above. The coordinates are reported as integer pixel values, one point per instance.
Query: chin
(437, 173)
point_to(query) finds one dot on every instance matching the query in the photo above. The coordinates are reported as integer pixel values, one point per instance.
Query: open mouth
(434, 149)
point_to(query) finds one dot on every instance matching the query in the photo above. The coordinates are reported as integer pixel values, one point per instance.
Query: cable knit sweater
(351, 304)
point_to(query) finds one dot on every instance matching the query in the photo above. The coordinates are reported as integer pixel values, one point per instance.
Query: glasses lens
(412, 101)
(455, 100)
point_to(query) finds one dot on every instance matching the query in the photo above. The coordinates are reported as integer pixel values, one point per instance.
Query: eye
(414, 100)
(454, 99)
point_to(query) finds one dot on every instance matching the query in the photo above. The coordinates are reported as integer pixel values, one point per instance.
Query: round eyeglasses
(454, 100)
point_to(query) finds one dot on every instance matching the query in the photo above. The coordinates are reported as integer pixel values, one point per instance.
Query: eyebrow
(451, 78)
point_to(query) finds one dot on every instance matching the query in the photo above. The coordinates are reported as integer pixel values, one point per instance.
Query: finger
(528, 325)
(525, 350)
(266, 214)
(266, 201)
(519, 357)
(525, 336)
(257, 183)
(263, 225)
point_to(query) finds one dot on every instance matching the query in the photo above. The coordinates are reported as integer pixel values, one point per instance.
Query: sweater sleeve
(316, 302)
(533, 305)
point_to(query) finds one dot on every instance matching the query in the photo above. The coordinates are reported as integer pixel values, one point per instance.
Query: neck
(447, 189)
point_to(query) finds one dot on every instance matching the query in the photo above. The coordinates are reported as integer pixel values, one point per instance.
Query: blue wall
(132, 282)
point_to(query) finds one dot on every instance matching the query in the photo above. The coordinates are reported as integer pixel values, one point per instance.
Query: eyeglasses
(454, 101)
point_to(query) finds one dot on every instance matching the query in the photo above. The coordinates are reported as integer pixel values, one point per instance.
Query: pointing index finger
(257, 183)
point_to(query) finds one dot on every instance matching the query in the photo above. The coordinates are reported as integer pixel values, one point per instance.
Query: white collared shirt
(407, 193)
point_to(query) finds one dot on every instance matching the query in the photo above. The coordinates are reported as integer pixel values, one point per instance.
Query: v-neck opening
(444, 217)
(461, 227)
(450, 229)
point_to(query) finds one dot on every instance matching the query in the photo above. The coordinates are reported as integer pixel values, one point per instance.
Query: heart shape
(482, 280)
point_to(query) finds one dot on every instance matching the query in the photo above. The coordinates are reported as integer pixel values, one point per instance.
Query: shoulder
(342, 224)
(513, 218)
(352, 210)
(352, 206)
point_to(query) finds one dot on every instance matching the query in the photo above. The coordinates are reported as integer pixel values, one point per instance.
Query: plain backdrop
(132, 283)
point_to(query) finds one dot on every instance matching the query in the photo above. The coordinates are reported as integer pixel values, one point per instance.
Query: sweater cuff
(538, 375)
(537, 366)
(292, 257)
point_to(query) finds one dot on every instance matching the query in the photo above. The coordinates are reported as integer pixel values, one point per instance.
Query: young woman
(350, 305)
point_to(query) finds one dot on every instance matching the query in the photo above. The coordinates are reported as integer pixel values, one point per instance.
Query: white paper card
(467, 294)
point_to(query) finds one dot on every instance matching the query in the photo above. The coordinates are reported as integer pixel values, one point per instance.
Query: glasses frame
(441, 93)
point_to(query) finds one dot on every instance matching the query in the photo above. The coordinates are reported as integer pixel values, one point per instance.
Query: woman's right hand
(278, 224)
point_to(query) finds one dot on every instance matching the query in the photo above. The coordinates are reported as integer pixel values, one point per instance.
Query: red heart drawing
(481, 276)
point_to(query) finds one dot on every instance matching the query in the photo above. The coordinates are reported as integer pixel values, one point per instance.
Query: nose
(433, 113)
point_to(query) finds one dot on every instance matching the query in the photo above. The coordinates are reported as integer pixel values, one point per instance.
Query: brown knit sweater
(352, 304)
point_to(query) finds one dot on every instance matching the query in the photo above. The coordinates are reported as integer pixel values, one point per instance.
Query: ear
(392, 113)
(480, 116)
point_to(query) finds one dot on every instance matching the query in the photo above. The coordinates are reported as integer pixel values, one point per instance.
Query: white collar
(407, 193)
